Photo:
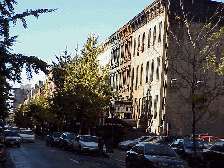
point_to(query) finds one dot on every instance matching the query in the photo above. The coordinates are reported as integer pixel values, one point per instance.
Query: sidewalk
(118, 155)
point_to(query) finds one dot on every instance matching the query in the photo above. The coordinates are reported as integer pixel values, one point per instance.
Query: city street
(38, 155)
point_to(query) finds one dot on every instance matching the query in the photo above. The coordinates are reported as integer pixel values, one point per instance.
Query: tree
(82, 89)
(190, 25)
(11, 64)
(36, 112)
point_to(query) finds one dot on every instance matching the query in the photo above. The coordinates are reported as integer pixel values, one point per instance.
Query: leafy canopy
(11, 64)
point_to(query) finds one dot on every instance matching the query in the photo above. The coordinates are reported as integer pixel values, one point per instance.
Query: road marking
(74, 160)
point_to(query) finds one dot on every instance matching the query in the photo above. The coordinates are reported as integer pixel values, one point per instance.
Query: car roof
(152, 143)
(202, 137)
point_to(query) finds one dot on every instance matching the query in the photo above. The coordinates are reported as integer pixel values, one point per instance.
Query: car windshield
(89, 139)
(57, 134)
(151, 149)
(11, 133)
(26, 132)
(190, 144)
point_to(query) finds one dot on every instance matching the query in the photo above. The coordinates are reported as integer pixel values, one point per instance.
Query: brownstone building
(152, 68)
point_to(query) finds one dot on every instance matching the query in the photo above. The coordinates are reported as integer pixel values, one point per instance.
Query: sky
(69, 25)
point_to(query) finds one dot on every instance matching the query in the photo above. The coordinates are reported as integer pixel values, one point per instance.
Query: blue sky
(70, 24)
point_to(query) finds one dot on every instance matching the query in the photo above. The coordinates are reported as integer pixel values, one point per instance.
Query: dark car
(164, 140)
(214, 156)
(11, 138)
(66, 140)
(185, 149)
(126, 145)
(153, 155)
(53, 138)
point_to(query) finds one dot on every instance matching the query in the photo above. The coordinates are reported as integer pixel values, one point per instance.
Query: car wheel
(18, 145)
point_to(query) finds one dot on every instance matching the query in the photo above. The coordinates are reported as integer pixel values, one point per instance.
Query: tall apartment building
(151, 67)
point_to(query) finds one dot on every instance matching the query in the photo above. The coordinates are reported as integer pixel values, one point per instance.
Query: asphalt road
(38, 155)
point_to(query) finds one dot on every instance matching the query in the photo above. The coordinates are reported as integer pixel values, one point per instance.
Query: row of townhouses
(149, 68)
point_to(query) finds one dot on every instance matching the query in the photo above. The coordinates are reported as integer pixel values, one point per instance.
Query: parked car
(11, 138)
(126, 145)
(15, 129)
(208, 139)
(152, 138)
(53, 138)
(153, 155)
(86, 144)
(65, 140)
(214, 155)
(27, 136)
(185, 149)
(164, 140)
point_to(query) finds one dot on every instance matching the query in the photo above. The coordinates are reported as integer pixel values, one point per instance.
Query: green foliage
(82, 88)
(214, 60)
(11, 64)
(36, 111)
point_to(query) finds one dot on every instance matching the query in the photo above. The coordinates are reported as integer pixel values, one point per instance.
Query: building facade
(147, 64)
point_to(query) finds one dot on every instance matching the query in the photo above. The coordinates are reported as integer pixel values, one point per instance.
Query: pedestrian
(107, 142)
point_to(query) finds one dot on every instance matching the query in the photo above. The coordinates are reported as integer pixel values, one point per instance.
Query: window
(132, 80)
(160, 28)
(154, 35)
(173, 83)
(143, 42)
(134, 47)
(136, 82)
(152, 71)
(149, 38)
(138, 45)
(141, 74)
(155, 106)
(147, 72)
(157, 73)
(124, 79)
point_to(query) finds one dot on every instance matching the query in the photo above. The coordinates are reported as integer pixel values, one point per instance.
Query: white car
(27, 136)
(86, 144)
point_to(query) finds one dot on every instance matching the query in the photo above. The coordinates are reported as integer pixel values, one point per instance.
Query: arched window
(132, 78)
(143, 42)
(152, 71)
(134, 47)
(154, 35)
(147, 72)
(160, 33)
(141, 74)
(138, 45)
(149, 38)
(136, 81)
